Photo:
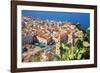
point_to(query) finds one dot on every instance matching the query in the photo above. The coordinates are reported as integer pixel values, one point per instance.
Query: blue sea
(82, 18)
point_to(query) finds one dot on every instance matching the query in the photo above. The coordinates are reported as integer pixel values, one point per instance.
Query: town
(42, 39)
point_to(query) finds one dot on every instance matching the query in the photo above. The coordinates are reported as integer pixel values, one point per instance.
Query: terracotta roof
(47, 37)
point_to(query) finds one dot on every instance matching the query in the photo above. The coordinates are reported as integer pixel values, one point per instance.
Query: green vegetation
(78, 51)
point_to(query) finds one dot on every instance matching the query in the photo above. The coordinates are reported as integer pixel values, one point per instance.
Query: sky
(82, 18)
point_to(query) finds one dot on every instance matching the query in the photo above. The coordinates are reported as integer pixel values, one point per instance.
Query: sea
(75, 17)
